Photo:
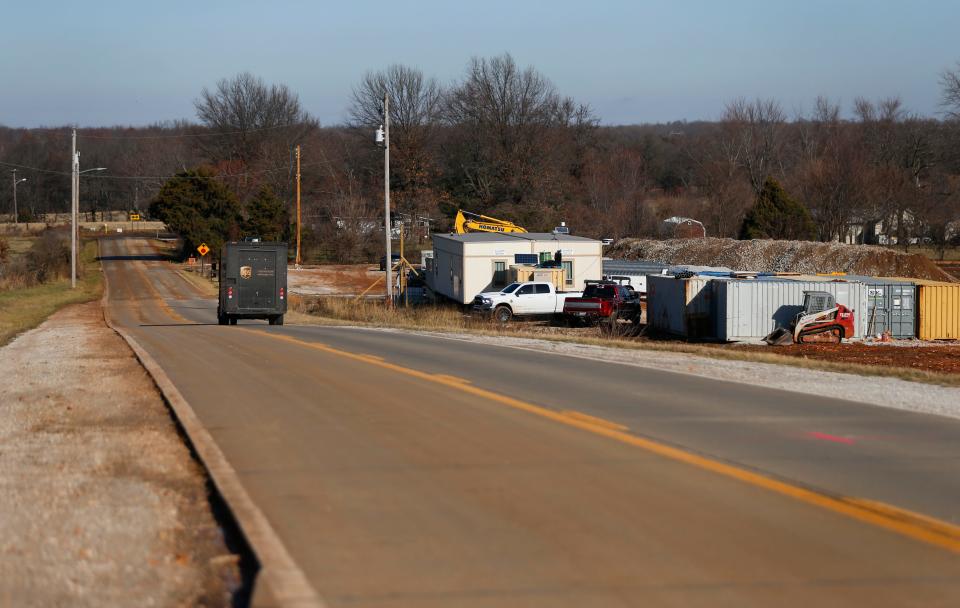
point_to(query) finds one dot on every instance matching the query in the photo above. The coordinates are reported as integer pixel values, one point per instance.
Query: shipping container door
(258, 278)
(878, 315)
(902, 311)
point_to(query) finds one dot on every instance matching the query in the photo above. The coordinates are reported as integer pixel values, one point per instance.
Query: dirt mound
(780, 256)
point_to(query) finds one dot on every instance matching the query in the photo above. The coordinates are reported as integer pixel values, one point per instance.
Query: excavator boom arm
(472, 222)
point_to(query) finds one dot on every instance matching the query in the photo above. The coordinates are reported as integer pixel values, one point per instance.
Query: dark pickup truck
(604, 300)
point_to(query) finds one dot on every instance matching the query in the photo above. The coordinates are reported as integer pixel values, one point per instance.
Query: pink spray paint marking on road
(833, 438)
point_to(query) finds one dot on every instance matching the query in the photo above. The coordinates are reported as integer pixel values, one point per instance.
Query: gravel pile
(780, 256)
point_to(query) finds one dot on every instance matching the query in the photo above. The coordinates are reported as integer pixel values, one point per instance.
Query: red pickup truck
(604, 300)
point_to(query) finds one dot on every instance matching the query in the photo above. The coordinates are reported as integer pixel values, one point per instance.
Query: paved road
(398, 486)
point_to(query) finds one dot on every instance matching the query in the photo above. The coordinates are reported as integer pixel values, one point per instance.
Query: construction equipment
(821, 320)
(471, 222)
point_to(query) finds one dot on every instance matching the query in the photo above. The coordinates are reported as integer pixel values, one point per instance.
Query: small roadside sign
(203, 249)
(134, 217)
(192, 261)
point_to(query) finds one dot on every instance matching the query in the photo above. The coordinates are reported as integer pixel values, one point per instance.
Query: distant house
(682, 228)
(878, 231)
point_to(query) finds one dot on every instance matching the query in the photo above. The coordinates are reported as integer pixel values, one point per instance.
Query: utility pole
(74, 205)
(297, 264)
(403, 270)
(15, 215)
(386, 195)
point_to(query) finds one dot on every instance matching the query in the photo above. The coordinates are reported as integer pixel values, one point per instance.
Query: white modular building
(464, 265)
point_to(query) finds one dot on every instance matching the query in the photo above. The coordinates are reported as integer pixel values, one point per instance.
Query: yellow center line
(910, 524)
(601, 422)
(449, 378)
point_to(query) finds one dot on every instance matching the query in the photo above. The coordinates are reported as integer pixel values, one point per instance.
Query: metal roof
(632, 267)
(506, 237)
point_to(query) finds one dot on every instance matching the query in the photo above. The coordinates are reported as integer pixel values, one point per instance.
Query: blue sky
(108, 62)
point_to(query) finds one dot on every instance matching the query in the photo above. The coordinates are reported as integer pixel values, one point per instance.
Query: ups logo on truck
(246, 272)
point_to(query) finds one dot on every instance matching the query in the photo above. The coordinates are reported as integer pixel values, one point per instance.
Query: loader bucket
(779, 337)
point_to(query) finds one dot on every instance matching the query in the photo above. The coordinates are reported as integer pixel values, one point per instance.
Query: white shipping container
(748, 310)
(682, 307)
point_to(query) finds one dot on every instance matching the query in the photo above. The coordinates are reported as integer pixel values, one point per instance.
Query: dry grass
(19, 245)
(205, 286)
(23, 308)
(373, 312)
(346, 311)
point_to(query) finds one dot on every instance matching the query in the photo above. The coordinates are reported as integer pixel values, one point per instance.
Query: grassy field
(19, 245)
(23, 309)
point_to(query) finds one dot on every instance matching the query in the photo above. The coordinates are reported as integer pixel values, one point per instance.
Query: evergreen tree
(267, 216)
(199, 208)
(776, 215)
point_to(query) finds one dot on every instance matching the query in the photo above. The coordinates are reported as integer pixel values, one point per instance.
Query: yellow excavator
(472, 222)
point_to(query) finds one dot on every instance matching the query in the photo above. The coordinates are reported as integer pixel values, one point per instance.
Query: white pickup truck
(534, 298)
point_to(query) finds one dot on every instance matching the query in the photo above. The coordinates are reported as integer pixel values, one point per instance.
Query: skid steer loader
(821, 320)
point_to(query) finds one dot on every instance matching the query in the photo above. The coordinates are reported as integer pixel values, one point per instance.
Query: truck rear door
(257, 279)
(545, 299)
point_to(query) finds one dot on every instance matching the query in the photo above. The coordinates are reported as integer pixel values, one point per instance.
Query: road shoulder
(103, 503)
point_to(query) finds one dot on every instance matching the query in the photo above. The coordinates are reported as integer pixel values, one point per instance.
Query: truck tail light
(281, 292)
(229, 293)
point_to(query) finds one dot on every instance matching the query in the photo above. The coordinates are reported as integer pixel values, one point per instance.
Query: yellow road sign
(134, 217)
(203, 249)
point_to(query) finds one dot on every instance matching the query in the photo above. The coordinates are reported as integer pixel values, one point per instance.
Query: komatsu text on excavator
(472, 222)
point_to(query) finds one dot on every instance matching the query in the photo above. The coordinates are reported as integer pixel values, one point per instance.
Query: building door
(567, 274)
(499, 274)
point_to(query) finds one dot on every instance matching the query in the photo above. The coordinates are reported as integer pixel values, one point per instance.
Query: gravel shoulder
(101, 502)
(881, 391)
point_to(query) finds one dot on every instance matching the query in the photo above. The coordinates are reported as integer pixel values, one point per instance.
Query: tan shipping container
(939, 312)
(522, 274)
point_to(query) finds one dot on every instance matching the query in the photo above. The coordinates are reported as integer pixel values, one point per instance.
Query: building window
(546, 256)
(499, 274)
(567, 272)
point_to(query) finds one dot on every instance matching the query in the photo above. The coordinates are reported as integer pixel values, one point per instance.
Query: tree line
(502, 140)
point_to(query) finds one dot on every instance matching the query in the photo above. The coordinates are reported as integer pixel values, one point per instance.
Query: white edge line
(279, 581)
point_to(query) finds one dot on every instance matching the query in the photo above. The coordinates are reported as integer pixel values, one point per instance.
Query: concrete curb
(279, 582)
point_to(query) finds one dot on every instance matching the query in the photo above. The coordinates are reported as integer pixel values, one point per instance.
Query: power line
(211, 134)
(166, 177)
(81, 135)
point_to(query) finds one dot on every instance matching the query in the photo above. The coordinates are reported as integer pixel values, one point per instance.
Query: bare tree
(258, 123)
(950, 96)
(414, 117)
(414, 103)
(756, 128)
(517, 138)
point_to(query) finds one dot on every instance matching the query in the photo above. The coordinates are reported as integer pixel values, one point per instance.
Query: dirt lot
(333, 279)
(942, 359)
(101, 502)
